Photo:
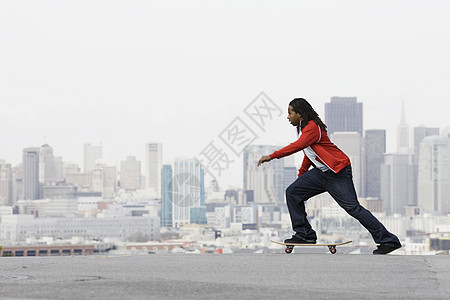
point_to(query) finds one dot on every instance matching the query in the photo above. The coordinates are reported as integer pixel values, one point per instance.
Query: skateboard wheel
(332, 250)
(288, 250)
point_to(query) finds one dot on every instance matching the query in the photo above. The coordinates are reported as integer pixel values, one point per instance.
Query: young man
(332, 173)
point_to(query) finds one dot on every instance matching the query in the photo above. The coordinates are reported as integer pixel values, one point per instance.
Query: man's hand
(264, 159)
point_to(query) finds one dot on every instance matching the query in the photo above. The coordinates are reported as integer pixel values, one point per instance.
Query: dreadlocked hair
(302, 107)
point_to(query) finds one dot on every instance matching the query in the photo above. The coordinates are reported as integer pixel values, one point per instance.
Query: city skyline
(179, 72)
(223, 180)
(398, 187)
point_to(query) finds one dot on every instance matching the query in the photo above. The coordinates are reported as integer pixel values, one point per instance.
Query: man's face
(293, 117)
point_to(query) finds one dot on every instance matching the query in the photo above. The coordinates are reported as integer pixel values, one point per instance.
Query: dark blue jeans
(340, 187)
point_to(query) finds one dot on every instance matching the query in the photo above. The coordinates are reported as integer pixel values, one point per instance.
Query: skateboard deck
(290, 246)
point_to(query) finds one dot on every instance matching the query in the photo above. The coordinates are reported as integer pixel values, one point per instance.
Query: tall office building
(130, 174)
(396, 183)
(290, 171)
(434, 175)
(266, 181)
(31, 186)
(403, 146)
(91, 155)
(153, 166)
(351, 144)
(420, 133)
(109, 181)
(289, 176)
(188, 193)
(6, 184)
(104, 178)
(17, 173)
(344, 114)
(50, 166)
(374, 150)
(96, 177)
(166, 196)
(58, 164)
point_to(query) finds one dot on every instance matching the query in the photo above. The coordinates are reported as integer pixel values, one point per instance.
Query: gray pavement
(226, 276)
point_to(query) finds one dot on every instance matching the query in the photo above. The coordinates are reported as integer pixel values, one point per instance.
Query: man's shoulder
(310, 126)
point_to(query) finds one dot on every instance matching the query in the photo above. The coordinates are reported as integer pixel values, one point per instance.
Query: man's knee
(289, 190)
(292, 190)
(291, 196)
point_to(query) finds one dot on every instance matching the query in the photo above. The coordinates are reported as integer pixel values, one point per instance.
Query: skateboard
(290, 247)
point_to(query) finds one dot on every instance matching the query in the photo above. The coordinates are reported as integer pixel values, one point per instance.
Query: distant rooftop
(343, 99)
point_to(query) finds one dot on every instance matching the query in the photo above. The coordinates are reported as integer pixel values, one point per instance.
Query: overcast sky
(124, 73)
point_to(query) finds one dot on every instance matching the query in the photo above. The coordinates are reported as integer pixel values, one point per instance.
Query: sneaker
(385, 249)
(296, 240)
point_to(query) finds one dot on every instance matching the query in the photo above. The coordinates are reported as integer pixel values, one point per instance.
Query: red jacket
(327, 152)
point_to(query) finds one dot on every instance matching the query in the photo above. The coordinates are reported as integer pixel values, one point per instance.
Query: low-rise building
(46, 250)
(16, 228)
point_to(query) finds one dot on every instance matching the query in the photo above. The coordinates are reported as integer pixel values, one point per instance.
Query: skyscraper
(31, 187)
(17, 173)
(403, 146)
(130, 174)
(104, 178)
(267, 180)
(290, 171)
(434, 175)
(153, 165)
(344, 114)
(396, 183)
(58, 164)
(50, 167)
(91, 155)
(420, 133)
(109, 181)
(374, 148)
(289, 176)
(6, 184)
(166, 196)
(350, 143)
(188, 193)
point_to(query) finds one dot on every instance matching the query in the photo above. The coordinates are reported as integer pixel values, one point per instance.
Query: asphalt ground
(226, 276)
